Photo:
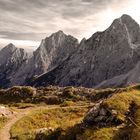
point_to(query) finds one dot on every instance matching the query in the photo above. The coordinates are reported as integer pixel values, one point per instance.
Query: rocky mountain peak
(103, 56)
(51, 40)
(12, 51)
(11, 45)
(56, 40)
(60, 32)
(57, 35)
(61, 60)
(125, 20)
(125, 29)
(6, 53)
(9, 48)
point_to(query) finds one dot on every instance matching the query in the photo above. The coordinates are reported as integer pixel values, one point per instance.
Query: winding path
(5, 131)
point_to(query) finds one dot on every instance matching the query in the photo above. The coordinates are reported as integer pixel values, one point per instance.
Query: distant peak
(58, 33)
(83, 40)
(129, 22)
(124, 20)
(10, 47)
(125, 16)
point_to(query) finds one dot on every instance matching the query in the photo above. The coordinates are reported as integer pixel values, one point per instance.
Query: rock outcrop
(101, 116)
(105, 55)
(108, 58)
(52, 52)
(11, 59)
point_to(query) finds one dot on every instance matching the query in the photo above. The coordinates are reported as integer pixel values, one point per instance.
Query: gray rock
(52, 52)
(17, 68)
(11, 59)
(105, 55)
(100, 116)
(130, 78)
(108, 58)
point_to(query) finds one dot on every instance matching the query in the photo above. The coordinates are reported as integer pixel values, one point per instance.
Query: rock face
(109, 58)
(130, 78)
(105, 55)
(52, 52)
(100, 116)
(11, 59)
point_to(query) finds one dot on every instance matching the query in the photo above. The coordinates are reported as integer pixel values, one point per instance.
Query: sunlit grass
(3, 121)
(55, 118)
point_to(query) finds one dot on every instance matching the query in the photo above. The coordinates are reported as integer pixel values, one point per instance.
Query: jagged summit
(124, 19)
(52, 51)
(59, 33)
(10, 47)
(126, 27)
(11, 44)
(129, 22)
(56, 40)
(62, 60)
(11, 59)
(103, 56)
(125, 16)
(6, 53)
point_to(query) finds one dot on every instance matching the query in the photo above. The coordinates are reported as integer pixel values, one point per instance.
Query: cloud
(36, 19)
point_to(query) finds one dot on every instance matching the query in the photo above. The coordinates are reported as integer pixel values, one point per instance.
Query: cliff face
(52, 52)
(109, 58)
(105, 55)
(11, 59)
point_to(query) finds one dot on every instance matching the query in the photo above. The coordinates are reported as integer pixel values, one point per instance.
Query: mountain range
(107, 59)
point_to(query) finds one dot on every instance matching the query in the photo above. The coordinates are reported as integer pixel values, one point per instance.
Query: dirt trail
(5, 131)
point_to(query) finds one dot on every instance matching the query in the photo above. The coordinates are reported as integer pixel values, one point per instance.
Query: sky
(26, 22)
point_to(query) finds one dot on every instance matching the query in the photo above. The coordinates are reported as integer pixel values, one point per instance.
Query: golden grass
(3, 121)
(100, 134)
(126, 106)
(121, 102)
(55, 118)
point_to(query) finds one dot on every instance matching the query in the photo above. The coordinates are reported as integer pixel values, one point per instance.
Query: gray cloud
(36, 19)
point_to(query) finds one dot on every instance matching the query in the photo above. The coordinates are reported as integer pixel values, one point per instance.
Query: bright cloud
(25, 22)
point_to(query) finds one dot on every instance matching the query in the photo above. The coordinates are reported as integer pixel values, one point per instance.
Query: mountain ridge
(61, 60)
(52, 51)
(103, 56)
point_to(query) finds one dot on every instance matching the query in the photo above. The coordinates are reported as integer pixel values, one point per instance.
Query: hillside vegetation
(52, 95)
(115, 118)
(78, 114)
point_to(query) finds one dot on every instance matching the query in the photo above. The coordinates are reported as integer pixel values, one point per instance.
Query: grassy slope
(3, 121)
(126, 106)
(124, 103)
(55, 118)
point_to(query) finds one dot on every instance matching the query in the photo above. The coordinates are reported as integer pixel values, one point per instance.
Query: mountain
(130, 78)
(107, 59)
(106, 55)
(52, 52)
(11, 58)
